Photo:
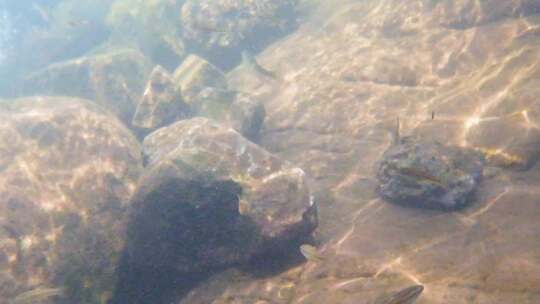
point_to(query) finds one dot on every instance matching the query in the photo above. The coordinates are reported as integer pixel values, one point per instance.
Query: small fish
(404, 296)
(249, 61)
(311, 253)
(432, 115)
(421, 174)
(36, 295)
(243, 206)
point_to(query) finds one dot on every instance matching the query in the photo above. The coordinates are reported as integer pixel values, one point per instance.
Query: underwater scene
(269, 151)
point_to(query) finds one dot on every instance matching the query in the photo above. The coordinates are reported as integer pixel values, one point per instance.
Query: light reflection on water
(328, 114)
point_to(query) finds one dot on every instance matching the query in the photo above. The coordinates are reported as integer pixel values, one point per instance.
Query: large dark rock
(114, 80)
(428, 174)
(161, 103)
(210, 198)
(67, 171)
(222, 29)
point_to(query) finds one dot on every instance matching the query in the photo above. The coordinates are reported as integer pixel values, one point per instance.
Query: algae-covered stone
(222, 29)
(210, 198)
(428, 174)
(161, 102)
(67, 170)
(213, 103)
(195, 74)
(113, 80)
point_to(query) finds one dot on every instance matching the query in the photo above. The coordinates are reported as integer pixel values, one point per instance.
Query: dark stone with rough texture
(428, 174)
(210, 198)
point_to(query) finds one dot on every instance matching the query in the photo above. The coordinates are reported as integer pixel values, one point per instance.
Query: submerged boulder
(213, 103)
(210, 198)
(67, 171)
(428, 174)
(114, 80)
(239, 110)
(222, 29)
(195, 74)
(161, 102)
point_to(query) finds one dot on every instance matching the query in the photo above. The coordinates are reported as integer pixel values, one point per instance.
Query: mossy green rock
(67, 170)
(196, 74)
